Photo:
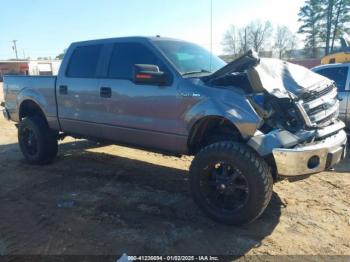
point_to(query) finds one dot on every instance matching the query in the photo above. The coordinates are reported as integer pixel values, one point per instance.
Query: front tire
(230, 183)
(37, 141)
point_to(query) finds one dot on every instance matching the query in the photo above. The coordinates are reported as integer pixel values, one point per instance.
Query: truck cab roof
(127, 39)
(330, 65)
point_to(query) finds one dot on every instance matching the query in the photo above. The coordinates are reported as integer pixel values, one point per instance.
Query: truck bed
(40, 89)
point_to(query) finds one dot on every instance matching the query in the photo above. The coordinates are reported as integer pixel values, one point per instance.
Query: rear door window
(126, 55)
(337, 74)
(84, 60)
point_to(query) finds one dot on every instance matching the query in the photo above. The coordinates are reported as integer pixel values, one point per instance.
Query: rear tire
(230, 183)
(37, 141)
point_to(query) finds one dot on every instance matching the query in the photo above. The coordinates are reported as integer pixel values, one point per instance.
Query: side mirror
(149, 75)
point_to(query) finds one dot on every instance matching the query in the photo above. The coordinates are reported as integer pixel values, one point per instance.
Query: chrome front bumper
(311, 158)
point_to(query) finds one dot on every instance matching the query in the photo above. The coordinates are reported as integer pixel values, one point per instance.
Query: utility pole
(14, 47)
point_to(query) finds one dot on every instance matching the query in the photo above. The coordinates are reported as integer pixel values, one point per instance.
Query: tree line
(322, 22)
(260, 36)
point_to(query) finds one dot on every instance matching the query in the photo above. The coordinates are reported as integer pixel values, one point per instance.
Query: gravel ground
(97, 199)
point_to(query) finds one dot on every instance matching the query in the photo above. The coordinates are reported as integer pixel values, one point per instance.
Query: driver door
(145, 115)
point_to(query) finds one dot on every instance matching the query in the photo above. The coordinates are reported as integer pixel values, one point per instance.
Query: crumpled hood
(279, 77)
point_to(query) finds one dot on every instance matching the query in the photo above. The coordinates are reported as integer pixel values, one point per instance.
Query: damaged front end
(299, 109)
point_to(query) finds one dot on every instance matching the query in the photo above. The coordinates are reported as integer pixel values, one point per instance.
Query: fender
(240, 114)
(47, 107)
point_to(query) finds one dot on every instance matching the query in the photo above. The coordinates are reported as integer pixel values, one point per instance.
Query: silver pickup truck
(245, 122)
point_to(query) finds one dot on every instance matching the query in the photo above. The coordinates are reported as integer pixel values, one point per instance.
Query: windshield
(189, 58)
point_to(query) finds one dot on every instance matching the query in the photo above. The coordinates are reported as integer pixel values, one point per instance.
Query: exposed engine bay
(295, 104)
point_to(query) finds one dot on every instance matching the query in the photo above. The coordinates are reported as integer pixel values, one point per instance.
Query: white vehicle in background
(340, 74)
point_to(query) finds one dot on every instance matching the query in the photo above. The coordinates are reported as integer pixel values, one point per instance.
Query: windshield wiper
(196, 72)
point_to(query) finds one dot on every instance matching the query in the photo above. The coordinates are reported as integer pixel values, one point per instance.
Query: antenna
(211, 33)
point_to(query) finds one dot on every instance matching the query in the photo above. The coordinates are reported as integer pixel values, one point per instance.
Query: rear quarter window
(83, 62)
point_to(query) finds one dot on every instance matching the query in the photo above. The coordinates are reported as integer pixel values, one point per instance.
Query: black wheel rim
(29, 141)
(224, 187)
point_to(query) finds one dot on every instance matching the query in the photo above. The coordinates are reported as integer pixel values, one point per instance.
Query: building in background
(29, 67)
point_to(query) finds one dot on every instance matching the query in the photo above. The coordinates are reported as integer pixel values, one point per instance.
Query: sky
(44, 28)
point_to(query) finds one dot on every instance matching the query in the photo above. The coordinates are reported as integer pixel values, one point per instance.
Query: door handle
(105, 92)
(63, 90)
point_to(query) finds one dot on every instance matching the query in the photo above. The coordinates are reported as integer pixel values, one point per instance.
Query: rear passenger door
(77, 90)
(340, 75)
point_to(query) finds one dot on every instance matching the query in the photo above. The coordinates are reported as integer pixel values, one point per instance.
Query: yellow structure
(340, 57)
